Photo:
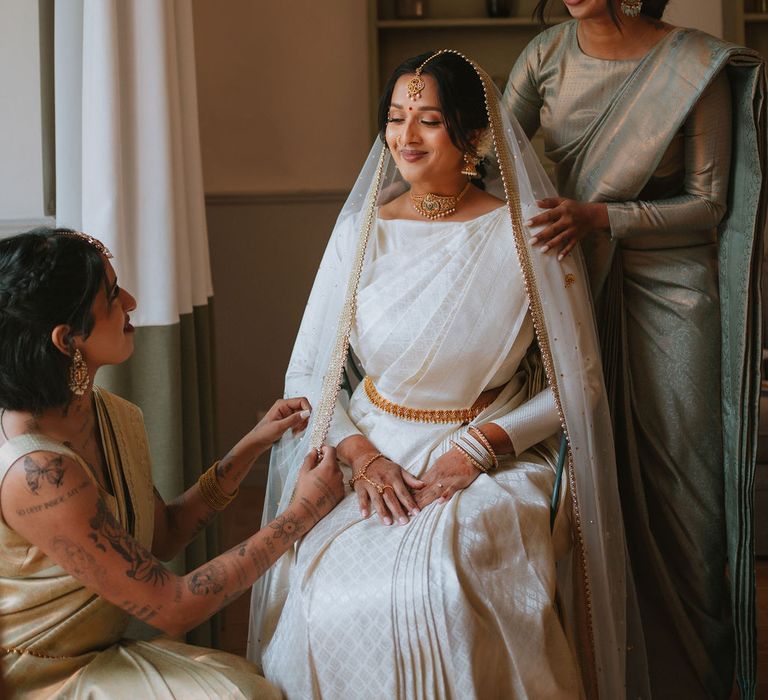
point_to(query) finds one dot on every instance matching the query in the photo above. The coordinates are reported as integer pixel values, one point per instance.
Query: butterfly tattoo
(52, 472)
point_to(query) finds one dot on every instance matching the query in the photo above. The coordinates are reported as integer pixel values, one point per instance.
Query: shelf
(756, 17)
(461, 22)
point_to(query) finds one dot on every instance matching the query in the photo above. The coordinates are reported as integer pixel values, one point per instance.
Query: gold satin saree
(59, 639)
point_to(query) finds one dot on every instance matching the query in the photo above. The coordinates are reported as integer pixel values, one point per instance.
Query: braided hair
(46, 279)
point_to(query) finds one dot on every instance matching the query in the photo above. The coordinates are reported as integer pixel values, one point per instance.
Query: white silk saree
(474, 598)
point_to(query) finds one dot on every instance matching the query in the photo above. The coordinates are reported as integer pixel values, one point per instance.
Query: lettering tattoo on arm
(53, 502)
(37, 470)
(210, 579)
(201, 524)
(144, 567)
(143, 613)
(310, 507)
(261, 559)
(326, 493)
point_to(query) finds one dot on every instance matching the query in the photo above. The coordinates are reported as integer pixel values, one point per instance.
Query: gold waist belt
(426, 415)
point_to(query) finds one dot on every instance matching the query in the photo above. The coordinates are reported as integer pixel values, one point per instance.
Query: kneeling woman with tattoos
(82, 531)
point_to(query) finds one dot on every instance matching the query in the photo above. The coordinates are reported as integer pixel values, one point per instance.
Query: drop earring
(78, 374)
(631, 8)
(470, 166)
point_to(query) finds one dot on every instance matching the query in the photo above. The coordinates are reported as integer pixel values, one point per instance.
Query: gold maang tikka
(416, 84)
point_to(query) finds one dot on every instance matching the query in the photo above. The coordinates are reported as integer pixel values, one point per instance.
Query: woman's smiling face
(588, 9)
(111, 338)
(417, 137)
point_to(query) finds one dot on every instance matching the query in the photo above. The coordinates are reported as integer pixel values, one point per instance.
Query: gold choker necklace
(435, 206)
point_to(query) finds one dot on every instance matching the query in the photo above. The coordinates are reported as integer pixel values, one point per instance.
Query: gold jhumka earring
(78, 374)
(470, 166)
(631, 8)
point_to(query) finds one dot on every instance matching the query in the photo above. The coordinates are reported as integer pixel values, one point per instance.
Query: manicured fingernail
(442, 499)
(560, 257)
(364, 513)
(387, 521)
(305, 413)
(415, 511)
(544, 248)
(403, 520)
(529, 222)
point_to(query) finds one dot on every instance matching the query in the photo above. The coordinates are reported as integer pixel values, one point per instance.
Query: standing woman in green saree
(657, 133)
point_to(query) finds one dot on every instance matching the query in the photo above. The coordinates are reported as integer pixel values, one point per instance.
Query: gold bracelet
(480, 435)
(211, 491)
(361, 474)
(469, 457)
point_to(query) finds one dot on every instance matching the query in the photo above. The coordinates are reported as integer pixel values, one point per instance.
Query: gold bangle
(469, 457)
(361, 474)
(211, 491)
(480, 435)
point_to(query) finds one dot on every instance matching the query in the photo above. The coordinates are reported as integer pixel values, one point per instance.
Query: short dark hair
(46, 279)
(651, 8)
(459, 89)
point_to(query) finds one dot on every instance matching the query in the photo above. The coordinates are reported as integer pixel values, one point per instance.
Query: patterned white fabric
(460, 602)
(592, 591)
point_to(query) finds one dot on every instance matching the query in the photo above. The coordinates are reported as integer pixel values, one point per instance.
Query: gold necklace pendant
(436, 206)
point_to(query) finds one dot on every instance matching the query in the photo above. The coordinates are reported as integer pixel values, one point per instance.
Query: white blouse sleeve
(531, 422)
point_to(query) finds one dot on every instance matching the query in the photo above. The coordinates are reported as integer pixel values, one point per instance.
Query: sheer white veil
(595, 593)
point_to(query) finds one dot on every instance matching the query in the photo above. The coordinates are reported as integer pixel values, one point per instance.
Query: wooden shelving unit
(741, 25)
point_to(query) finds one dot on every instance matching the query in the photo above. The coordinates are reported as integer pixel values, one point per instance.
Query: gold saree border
(333, 376)
(509, 179)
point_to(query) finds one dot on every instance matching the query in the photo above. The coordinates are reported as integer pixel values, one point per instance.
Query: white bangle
(477, 450)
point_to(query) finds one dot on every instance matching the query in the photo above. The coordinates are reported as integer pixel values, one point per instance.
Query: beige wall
(282, 93)
(283, 103)
(706, 15)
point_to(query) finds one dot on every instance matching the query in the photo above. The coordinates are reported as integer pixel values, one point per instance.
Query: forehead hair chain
(416, 84)
(94, 242)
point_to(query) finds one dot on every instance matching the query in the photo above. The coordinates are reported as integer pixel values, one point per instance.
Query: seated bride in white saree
(444, 357)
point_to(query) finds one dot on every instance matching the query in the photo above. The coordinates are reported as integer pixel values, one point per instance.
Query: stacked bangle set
(477, 449)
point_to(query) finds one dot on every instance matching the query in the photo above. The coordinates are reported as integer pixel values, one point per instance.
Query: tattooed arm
(50, 501)
(178, 522)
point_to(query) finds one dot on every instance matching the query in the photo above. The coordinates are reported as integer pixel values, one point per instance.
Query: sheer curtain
(128, 170)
